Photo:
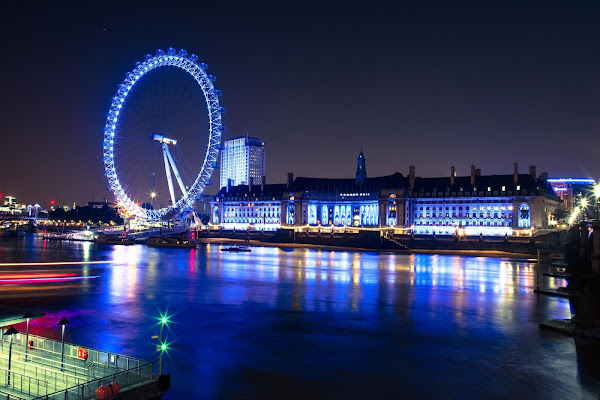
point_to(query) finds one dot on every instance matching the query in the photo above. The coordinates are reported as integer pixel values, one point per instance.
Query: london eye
(162, 136)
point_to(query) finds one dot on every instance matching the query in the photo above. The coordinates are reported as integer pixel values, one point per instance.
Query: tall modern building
(242, 160)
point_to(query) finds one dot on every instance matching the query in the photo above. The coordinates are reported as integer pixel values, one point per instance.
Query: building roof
(423, 187)
(528, 186)
(328, 185)
(270, 191)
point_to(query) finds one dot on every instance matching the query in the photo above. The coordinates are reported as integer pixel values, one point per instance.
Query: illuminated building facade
(345, 203)
(492, 205)
(242, 161)
(244, 207)
(569, 189)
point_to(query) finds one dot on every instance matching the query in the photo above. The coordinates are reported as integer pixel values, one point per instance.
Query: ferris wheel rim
(191, 65)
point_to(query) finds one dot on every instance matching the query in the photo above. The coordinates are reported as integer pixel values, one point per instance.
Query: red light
(52, 202)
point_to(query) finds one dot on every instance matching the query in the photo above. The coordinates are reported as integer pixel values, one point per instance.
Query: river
(305, 323)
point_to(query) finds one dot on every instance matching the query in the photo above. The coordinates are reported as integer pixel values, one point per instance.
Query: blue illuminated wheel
(157, 122)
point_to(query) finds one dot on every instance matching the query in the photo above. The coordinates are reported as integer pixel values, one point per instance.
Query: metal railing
(4, 395)
(134, 376)
(40, 372)
(50, 347)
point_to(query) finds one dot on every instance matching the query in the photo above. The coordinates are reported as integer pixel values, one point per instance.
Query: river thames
(305, 323)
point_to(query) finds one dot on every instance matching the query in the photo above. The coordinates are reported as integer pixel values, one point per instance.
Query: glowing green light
(163, 347)
(164, 319)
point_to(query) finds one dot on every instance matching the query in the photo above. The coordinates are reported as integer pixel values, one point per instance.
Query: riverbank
(566, 327)
(470, 253)
(545, 247)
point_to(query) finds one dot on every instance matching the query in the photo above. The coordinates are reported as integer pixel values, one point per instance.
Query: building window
(524, 216)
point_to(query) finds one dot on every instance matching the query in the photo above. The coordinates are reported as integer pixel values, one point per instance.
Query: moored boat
(108, 239)
(165, 241)
(236, 248)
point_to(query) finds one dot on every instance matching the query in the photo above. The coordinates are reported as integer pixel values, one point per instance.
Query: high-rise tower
(242, 159)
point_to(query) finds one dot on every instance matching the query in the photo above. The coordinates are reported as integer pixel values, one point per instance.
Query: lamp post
(11, 331)
(162, 346)
(163, 322)
(27, 315)
(584, 205)
(63, 322)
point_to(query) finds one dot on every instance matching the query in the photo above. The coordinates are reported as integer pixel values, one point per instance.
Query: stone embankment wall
(550, 243)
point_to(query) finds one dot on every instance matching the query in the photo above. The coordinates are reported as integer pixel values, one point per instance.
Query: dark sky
(424, 83)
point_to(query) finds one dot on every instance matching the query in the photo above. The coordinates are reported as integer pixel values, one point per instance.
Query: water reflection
(358, 279)
(362, 324)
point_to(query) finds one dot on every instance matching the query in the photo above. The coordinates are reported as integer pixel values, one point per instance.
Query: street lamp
(11, 331)
(597, 196)
(27, 315)
(63, 322)
(162, 346)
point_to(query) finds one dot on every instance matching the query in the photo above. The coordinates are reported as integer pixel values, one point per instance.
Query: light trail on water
(53, 263)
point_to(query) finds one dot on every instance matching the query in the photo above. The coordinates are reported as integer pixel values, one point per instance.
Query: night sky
(424, 83)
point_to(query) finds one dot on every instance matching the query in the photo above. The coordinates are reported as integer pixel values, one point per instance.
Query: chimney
(263, 182)
(249, 184)
(411, 177)
(290, 180)
(228, 184)
(532, 171)
(544, 176)
(478, 172)
(472, 174)
(516, 174)
(452, 175)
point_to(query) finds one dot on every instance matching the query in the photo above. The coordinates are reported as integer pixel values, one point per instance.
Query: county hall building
(475, 204)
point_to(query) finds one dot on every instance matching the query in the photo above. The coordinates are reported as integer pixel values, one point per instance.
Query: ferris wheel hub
(162, 139)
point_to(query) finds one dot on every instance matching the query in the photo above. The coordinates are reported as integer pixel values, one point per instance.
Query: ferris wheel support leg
(177, 176)
(168, 171)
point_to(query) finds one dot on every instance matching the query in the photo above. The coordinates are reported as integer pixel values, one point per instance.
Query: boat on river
(11, 232)
(236, 248)
(171, 242)
(111, 239)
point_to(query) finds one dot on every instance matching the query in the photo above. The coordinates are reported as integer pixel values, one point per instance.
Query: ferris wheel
(155, 152)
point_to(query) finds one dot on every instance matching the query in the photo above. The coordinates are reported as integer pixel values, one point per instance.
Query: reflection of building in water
(569, 189)
(473, 205)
